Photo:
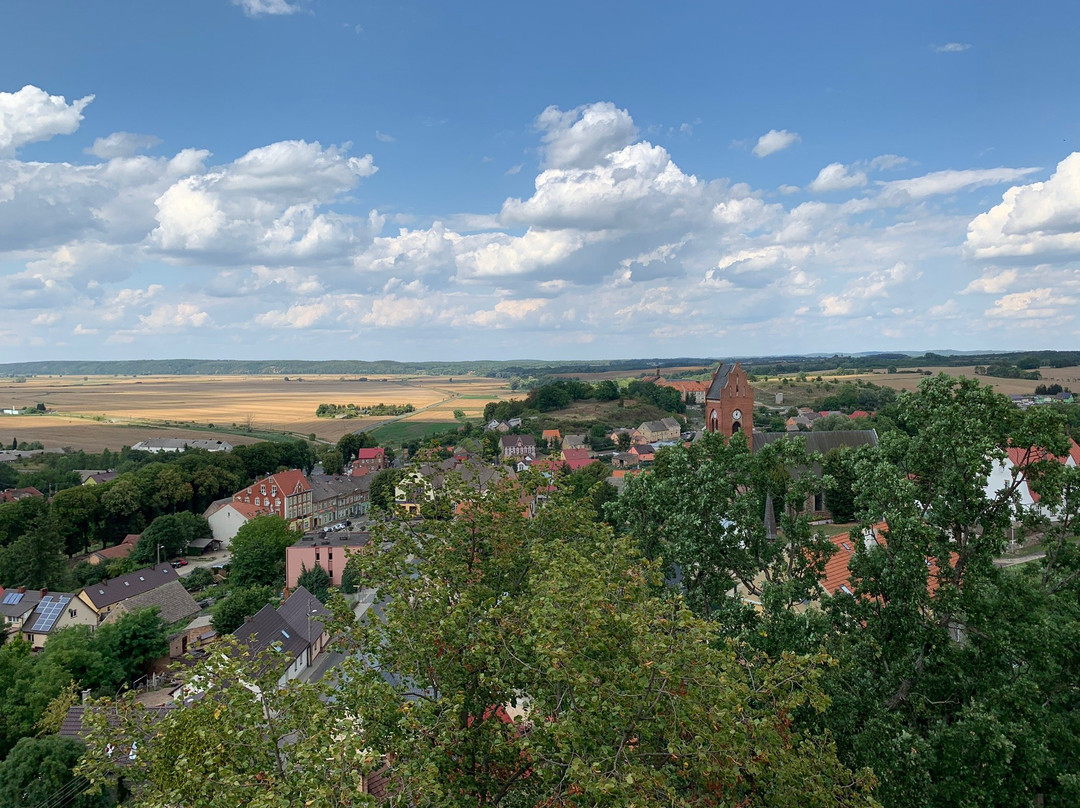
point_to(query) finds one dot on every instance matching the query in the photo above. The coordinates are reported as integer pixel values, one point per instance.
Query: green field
(400, 432)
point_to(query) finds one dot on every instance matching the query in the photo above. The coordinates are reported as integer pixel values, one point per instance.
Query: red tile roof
(837, 576)
(247, 510)
(371, 454)
(576, 454)
(289, 482)
(121, 550)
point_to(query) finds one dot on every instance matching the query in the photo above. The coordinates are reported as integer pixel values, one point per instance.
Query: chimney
(22, 590)
(44, 592)
(86, 696)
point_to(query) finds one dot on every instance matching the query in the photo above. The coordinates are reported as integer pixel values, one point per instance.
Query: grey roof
(821, 442)
(216, 506)
(326, 486)
(173, 601)
(517, 440)
(49, 608)
(771, 529)
(337, 538)
(719, 381)
(16, 604)
(202, 544)
(127, 586)
(269, 629)
(473, 474)
(180, 444)
(296, 610)
(72, 726)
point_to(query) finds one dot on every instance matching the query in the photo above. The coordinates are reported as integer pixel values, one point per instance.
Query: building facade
(729, 404)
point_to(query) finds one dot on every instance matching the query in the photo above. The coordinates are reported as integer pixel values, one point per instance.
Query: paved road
(220, 557)
(1012, 562)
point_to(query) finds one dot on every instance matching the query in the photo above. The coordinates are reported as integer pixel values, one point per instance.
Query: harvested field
(1067, 377)
(267, 403)
(58, 432)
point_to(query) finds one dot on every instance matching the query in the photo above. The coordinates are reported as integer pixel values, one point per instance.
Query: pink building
(329, 551)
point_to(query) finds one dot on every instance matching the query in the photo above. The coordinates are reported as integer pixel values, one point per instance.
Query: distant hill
(527, 367)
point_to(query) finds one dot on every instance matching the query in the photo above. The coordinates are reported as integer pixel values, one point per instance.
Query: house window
(257, 501)
(71, 613)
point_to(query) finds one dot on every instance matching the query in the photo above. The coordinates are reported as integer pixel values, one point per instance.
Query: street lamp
(160, 547)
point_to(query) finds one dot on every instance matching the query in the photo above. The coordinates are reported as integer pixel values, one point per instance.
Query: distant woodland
(510, 368)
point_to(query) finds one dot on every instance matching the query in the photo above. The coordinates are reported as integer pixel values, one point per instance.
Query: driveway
(220, 557)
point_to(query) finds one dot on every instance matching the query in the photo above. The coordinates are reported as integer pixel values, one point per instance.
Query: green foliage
(350, 581)
(40, 768)
(16, 518)
(590, 488)
(173, 532)
(101, 661)
(701, 511)
(349, 444)
(36, 559)
(641, 702)
(1024, 369)
(244, 742)
(850, 396)
(77, 512)
(132, 642)
(352, 411)
(949, 683)
(316, 581)
(666, 398)
(332, 462)
(241, 603)
(258, 552)
(382, 490)
(839, 466)
(198, 578)
(8, 476)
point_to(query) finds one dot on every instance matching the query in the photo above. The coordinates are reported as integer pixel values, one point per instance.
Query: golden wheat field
(153, 403)
(1067, 377)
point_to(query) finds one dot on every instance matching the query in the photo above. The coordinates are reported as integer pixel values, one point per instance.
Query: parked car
(179, 562)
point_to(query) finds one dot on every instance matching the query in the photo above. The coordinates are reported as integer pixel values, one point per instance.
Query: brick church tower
(729, 403)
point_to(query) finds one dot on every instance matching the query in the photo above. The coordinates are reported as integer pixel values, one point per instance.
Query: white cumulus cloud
(1031, 220)
(122, 144)
(775, 140)
(837, 177)
(582, 137)
(31, 114)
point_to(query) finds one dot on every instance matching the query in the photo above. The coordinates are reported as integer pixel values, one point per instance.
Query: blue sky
(307, 178)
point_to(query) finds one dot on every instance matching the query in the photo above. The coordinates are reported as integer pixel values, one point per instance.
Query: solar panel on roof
(11, 598)
(48, 611)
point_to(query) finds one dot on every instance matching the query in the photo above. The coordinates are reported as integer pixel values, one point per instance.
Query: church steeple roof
(719, 381)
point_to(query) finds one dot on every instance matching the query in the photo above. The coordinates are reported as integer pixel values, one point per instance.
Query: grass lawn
(401, 431)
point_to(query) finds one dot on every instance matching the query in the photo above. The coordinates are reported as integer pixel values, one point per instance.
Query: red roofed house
(859, 414)
(691, 392)
(286, 494)
(121, 550)
(15, 494)
(367, 461)
(553, 438)
(575, 459)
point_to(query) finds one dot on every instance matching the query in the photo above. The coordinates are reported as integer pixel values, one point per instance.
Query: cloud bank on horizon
(124, 242)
